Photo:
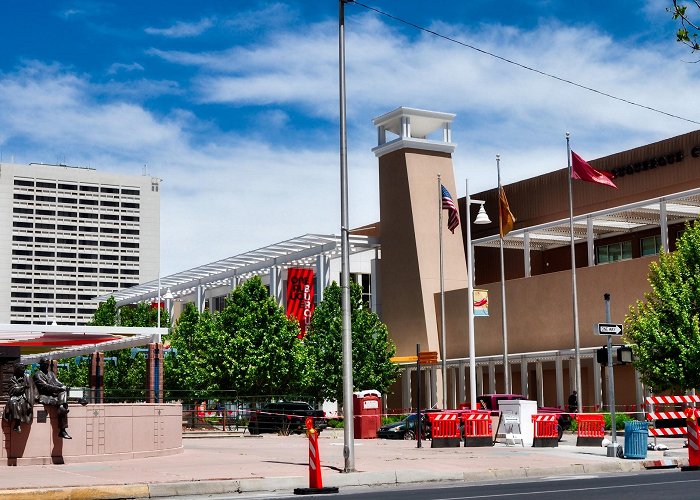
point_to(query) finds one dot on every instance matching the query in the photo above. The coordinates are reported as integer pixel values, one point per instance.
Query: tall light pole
(481, 218)
(348, 431)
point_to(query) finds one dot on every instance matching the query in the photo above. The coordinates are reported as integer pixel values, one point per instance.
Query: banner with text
(300, 296)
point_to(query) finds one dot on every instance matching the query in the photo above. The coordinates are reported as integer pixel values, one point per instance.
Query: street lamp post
(481, 218)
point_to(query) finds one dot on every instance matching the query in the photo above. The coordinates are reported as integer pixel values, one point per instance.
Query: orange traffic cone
(315, 479)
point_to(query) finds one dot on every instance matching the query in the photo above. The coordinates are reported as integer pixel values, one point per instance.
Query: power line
(520, 65)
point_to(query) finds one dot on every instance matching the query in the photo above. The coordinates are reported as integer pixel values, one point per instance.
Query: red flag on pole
(582, 171)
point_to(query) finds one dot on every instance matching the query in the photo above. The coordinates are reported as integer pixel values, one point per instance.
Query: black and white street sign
(609, 329)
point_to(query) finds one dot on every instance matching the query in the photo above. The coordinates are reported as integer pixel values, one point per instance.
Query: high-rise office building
(70, 234)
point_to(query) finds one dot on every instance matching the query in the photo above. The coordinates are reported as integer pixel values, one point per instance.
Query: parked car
(288, 417)
(490, 402)
(406, 428)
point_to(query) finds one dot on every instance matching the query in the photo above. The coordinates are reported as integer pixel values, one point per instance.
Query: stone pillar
(539, 382)
(406, 388)
(461, 396)
(523, 378)
(479, 380)
(154, 373)
(96, 379)
(559, 372)
(597, 386)
(492, 377)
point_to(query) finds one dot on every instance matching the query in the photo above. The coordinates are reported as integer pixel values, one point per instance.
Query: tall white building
(70, 234)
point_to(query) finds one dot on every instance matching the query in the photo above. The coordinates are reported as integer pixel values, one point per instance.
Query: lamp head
(482, 217)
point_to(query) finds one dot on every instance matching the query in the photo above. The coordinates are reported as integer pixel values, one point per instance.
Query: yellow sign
(481, 302)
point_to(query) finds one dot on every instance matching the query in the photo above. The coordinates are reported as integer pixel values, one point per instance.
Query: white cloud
(226, 193)
(182, 29)
(117, 67)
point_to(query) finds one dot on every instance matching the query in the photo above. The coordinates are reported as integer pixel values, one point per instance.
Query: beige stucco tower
(409, 166)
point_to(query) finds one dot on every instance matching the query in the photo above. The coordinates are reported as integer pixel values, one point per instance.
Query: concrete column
(523, 378)
(492, 377)
(200, 297)
(510, 373)
(597, 385)
(96, 378)
(479, 380)
(406, 388)
(559, 372)
(639, 393)
(572, 376)
(663, 222)
(539, 382)
(433, 385)
(276, 284)
(452, 387)
(374, 285)
(322, 275)
(590, 241)
(461, 395)
(526, 254)
(154, 373)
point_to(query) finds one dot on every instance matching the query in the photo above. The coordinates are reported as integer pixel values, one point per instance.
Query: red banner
(300, 296)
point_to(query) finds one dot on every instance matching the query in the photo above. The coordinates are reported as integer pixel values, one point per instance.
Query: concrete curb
(288, 483)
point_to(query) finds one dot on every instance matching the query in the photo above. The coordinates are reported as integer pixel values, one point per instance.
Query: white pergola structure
(224, 275)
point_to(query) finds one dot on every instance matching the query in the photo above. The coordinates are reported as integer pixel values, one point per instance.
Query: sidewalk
(232, 462)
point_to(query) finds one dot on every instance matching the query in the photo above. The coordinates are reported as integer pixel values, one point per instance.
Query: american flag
(447, 203)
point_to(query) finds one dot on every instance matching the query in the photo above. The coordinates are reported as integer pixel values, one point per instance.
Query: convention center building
(404, 260)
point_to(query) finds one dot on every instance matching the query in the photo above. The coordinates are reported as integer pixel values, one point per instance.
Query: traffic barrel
(315, 478)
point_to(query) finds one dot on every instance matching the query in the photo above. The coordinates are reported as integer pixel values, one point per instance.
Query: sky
(234, 104)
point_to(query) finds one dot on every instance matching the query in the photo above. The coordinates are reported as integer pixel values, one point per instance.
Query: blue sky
(235, 104)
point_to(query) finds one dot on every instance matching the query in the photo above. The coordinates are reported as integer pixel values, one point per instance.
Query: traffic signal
(624, 354)
(602, 355)
(621, 354)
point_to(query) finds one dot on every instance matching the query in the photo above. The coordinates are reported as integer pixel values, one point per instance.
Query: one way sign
(609, 329)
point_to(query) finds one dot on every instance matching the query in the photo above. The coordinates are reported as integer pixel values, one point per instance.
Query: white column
(427, 385)
(433, 385)
(374, 285)
(597, 385)
(452, 386)
(639, 401)
(526, 254)
(275, 284)
(321, 275)
(523, 378)
(406, 388)
(200, 297)
(479, 380)
(461, 396)
(572, 376)
(559, 372)
(539, 382)
(590, 239)
(492, 377)
(663, 222)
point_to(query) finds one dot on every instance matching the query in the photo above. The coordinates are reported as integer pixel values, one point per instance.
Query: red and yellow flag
(506, 218)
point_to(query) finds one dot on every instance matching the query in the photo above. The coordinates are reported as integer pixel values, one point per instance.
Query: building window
(614, 252)
(650, 245)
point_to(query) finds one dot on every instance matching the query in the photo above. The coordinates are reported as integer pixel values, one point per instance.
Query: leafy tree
(106, 313)
(663, 329)
(258, 352)
(371, 347)
(688, 31)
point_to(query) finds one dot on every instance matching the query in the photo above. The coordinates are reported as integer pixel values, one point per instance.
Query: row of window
(623, 249)
(73, 269)
(84, 243)
(82, 229)
(51, 295)
(43, 309)
(74, 201)
(73, 215)
(19, 252)
(82, 283)
(87, 188)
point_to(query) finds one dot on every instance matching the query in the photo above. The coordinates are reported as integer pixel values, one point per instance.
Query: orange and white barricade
(692, 415)
(444, 430)
(657, 418)
(546, 431)
(478, 429)
(591, 429)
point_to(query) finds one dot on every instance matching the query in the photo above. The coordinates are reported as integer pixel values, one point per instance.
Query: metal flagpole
(348, 430)
(577, 342)
(470, 304)
(443, 343)
(506, 371)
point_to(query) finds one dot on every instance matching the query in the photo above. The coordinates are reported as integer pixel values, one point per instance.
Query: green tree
(663, 329)
(372, 349)
(258, 352)
(688, 31)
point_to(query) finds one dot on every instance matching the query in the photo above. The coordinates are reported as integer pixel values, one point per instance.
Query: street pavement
(215, 463)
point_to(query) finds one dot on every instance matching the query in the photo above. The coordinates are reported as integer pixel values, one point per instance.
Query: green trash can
(636, 439)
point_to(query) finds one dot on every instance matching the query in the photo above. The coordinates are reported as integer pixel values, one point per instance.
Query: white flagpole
(443, 343)
(506, 371)
(577, 341)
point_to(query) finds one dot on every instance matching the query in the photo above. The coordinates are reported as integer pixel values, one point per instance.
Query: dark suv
(285, 417)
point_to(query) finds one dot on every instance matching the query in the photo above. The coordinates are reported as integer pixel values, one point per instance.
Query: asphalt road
(647, 485)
